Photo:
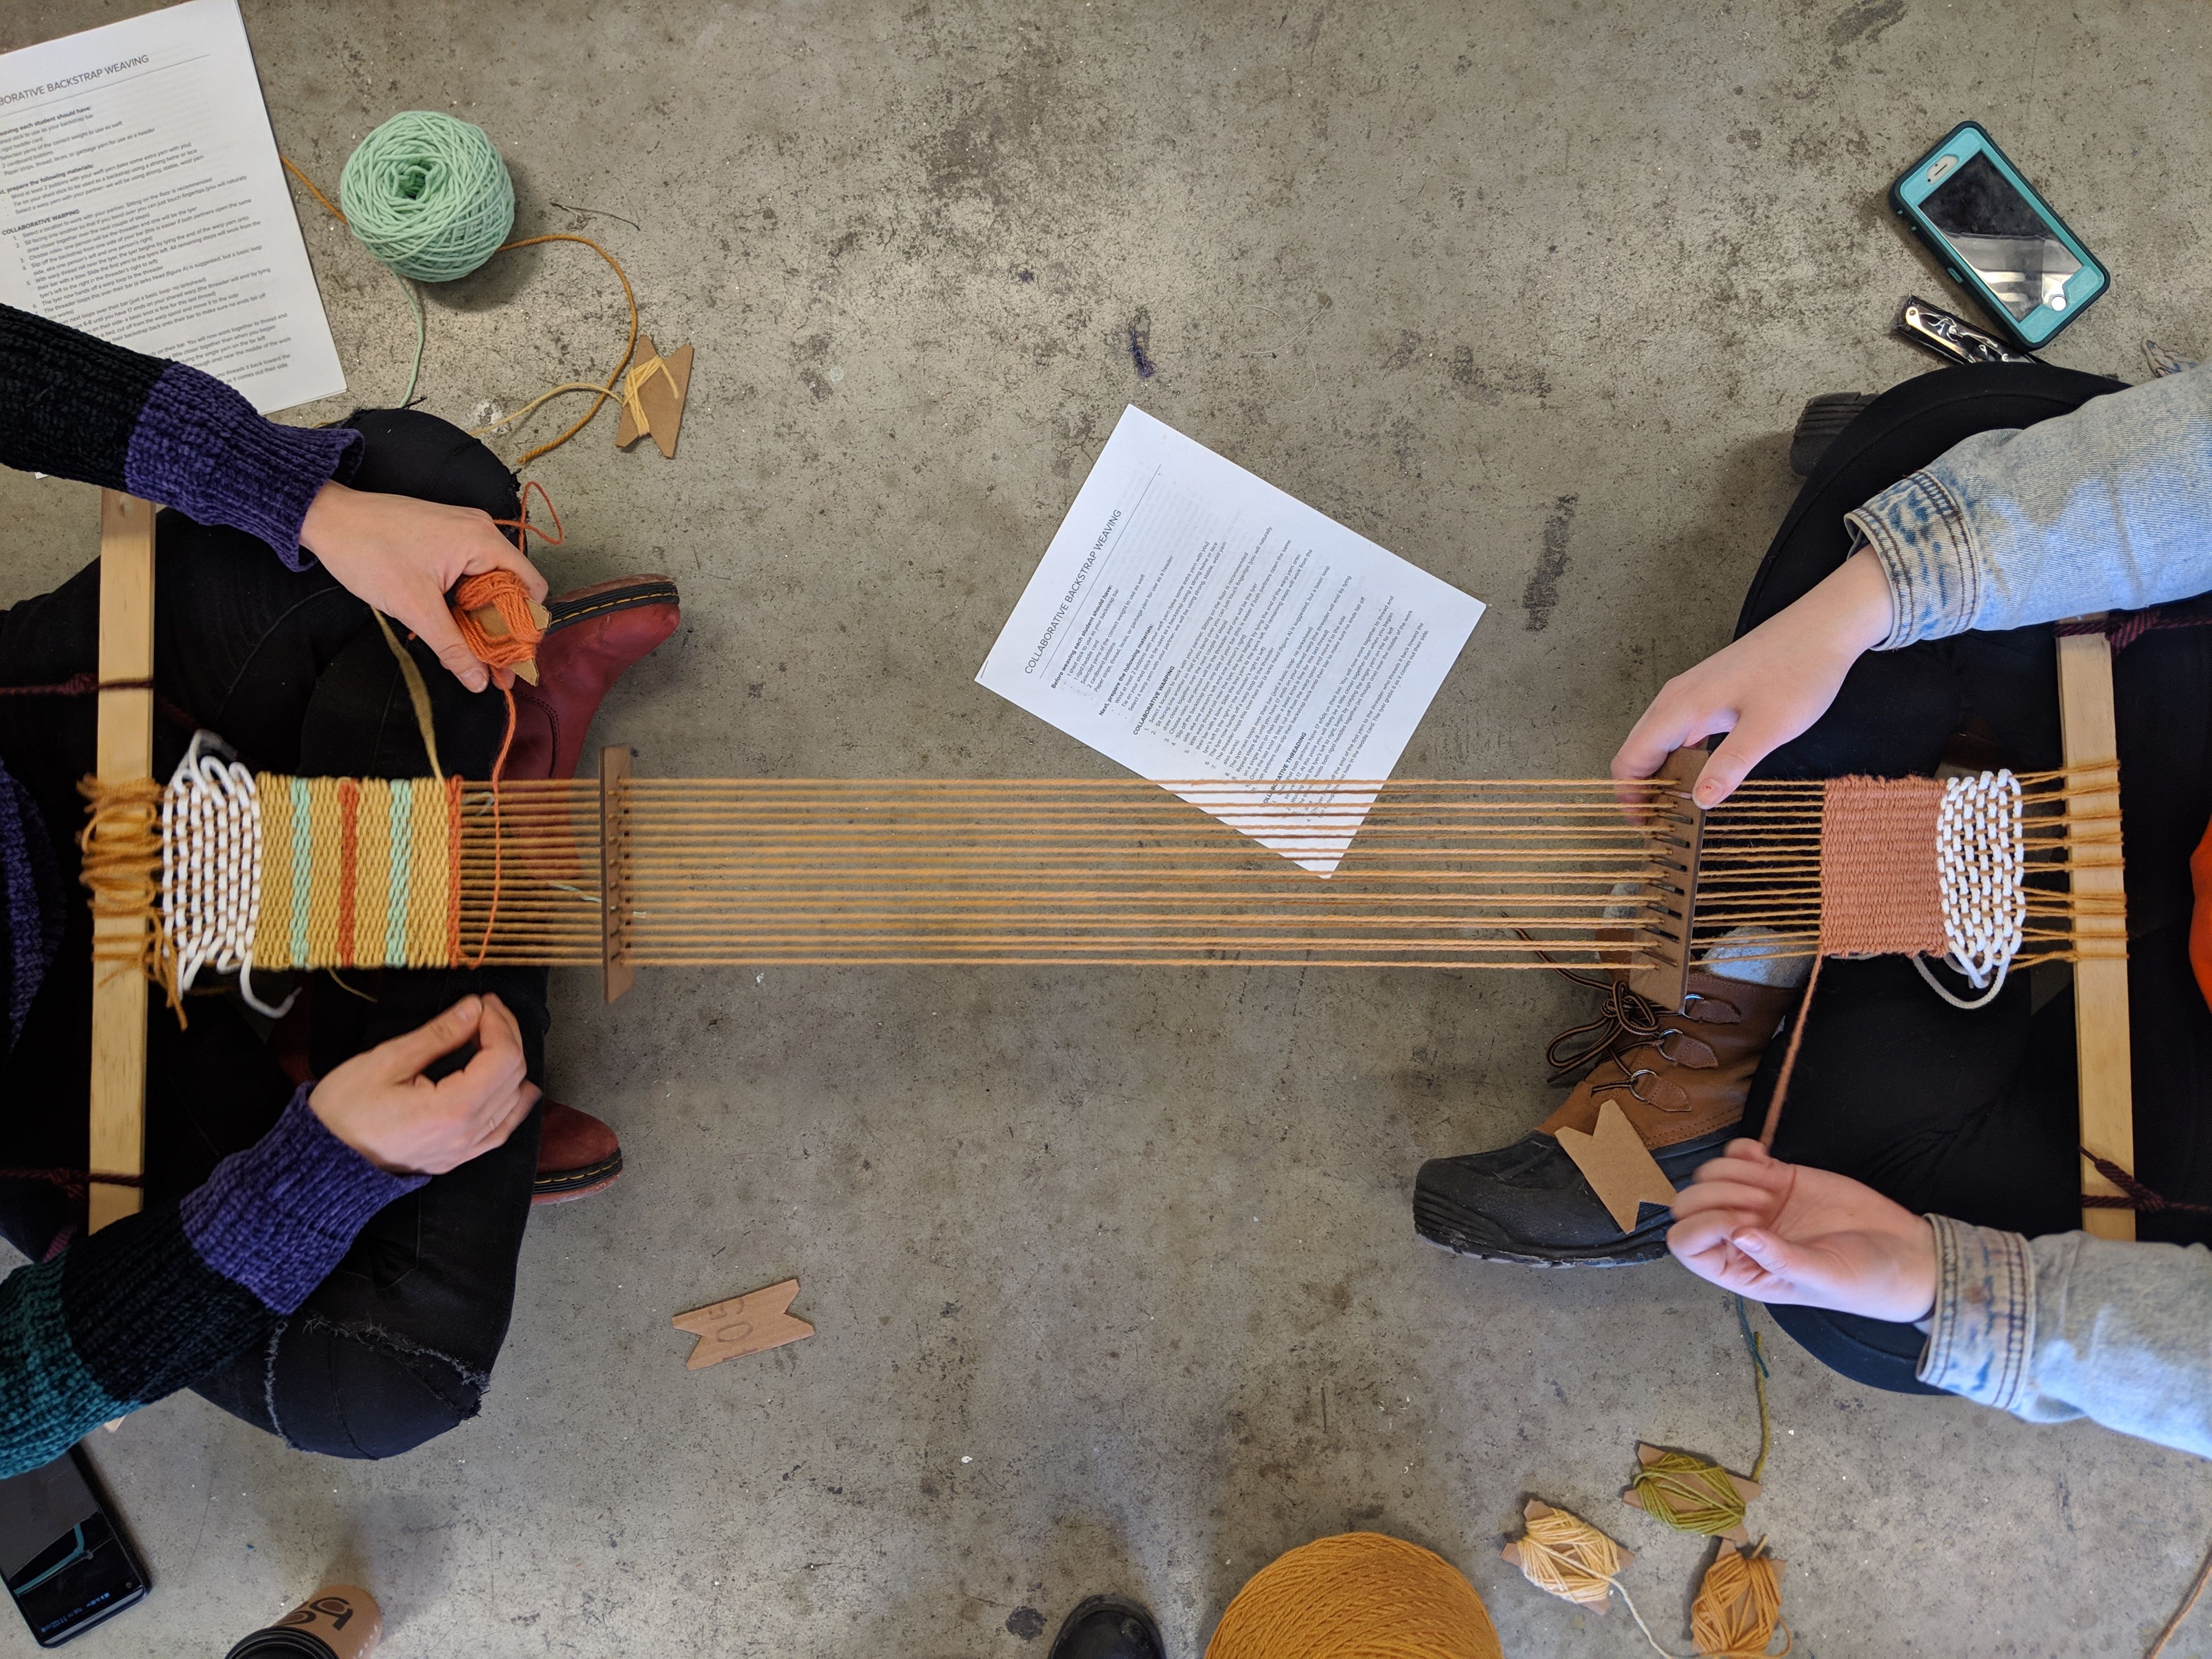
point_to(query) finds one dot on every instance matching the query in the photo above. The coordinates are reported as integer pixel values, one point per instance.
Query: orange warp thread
(502, 592)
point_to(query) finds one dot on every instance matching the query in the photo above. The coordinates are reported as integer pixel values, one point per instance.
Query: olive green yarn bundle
(428, 194)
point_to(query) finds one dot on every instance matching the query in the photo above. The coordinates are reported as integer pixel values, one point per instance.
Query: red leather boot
(595, 633)
(577, 1156)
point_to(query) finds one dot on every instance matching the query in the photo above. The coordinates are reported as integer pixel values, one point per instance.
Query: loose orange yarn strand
(629, 295)
(1789, 1055)
(502, 592)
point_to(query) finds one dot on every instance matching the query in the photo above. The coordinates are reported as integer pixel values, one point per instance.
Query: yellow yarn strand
(1360, 1595)
(1694, 1494)
(418, 694)
(1738, 1607)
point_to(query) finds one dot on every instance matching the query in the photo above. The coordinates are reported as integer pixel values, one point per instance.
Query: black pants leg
(1974, 1114)
(397, 1344)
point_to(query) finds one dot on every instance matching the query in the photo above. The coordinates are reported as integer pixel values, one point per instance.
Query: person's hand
(379, 1103)
(1766, 687)
(402, 555)
(1781, 1232)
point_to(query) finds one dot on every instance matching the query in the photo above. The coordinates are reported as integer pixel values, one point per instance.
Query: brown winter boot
(1681, 1080)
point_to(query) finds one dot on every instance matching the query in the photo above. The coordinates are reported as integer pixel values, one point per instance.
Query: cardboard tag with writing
(751, 1323)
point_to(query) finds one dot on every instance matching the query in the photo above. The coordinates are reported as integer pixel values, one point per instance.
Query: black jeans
(397, 1344)
(1974, 1114)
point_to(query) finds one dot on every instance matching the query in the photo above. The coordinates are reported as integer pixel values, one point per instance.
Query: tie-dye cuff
(1918, 531)
(1983, 1328)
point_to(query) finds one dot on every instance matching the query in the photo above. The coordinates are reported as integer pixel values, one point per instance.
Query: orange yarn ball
(1359, 1595)
(502, 591)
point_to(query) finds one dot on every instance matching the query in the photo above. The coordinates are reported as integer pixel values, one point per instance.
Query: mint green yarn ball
(427, 195)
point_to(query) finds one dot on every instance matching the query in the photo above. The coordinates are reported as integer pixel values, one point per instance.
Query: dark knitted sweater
(153, 1302)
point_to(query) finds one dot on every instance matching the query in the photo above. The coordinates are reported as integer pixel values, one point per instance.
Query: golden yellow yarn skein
(1359, 1595)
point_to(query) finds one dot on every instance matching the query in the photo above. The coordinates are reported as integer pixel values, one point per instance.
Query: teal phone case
(1913, 186)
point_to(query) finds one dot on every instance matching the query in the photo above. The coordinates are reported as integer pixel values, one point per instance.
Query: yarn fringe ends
(121, 865)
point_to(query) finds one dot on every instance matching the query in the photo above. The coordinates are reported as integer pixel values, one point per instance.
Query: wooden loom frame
(125, 754)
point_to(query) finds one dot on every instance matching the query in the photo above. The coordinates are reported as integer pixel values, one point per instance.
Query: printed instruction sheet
(1193, 622)
(141, 200)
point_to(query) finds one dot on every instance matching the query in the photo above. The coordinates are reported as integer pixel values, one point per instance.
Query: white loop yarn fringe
(211, 867)
(1981, 862)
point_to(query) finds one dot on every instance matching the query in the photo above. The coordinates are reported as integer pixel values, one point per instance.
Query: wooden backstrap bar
(123, 754)
(2100, 981)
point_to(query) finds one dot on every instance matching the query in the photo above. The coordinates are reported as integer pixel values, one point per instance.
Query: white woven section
(1981, 860)
(210, 864)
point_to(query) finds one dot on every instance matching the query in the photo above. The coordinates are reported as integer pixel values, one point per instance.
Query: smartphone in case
(1998, 240)
(65, 1559)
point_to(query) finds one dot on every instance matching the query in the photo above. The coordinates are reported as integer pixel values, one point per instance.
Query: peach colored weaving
(1880, 893)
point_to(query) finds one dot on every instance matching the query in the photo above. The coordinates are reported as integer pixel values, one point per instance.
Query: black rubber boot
(1820, 423)
(1108, 1628)
(1528, 1204)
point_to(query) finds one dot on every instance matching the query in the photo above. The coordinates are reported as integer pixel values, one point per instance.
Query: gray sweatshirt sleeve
(2071, 1326)
(2106, 508)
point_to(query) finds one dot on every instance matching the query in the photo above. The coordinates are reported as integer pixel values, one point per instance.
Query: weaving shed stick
(123, 754)
(2101, 978)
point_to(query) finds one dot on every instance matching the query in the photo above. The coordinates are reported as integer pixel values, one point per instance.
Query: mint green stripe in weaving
(402, 855)
(48, 1399)
(303, 847)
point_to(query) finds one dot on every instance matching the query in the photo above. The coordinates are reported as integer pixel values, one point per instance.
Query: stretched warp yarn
(786, 871)
(1359, 1595)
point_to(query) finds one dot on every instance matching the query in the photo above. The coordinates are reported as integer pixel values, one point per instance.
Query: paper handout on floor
(141, 200)
(1195, 624)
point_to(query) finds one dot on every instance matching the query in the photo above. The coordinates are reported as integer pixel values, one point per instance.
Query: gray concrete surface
(1114, 1272)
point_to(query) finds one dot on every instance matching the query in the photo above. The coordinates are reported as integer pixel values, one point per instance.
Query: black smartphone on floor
(63, 1555)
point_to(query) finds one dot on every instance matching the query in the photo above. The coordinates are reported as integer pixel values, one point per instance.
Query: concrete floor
(1115, 1276)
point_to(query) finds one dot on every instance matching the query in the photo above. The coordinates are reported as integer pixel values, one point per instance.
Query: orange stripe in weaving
(1880, 893)
(348, 852)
